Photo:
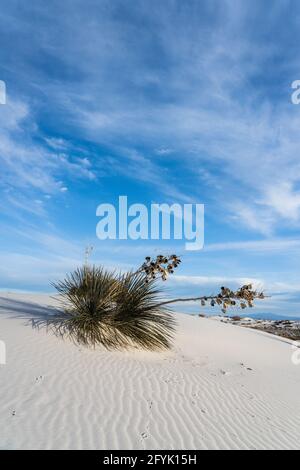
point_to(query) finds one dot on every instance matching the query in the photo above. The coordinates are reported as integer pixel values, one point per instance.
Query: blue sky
(163, 102)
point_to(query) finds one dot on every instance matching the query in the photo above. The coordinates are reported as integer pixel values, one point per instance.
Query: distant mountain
(269, 316)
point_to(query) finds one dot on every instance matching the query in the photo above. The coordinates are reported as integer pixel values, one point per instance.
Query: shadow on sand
(38, 315)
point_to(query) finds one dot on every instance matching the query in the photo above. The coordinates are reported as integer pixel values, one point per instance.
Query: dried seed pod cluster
(243, 297)
(160, 266)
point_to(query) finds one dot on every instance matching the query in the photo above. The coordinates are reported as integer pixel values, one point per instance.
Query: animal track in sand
(146, 434)
(194, 362)
(197, 398)
(245, 367)
(39, 378)
(224, 372)
(174, 379)
(182, 359)
(227, 372)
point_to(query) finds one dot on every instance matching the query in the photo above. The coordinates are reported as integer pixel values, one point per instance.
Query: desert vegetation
(125, 310)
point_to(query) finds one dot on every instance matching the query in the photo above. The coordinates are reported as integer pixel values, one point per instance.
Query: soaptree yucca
(116, 311)
(123, 310)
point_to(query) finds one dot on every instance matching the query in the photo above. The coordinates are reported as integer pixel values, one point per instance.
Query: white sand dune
(221, 387)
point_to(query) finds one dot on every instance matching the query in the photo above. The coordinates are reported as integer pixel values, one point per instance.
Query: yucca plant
(116, 311)
(138, 317)
(119, 311)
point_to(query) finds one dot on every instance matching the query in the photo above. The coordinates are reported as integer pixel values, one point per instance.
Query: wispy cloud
(200, 99)
(183, 102)
(283, 245)
(31, 170)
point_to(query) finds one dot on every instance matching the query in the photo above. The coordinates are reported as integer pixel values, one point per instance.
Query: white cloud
(215, 280)
(284, 245)
(284, 200)
(30, 169)
(212, 285)
(203, 103)
(57, 143)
